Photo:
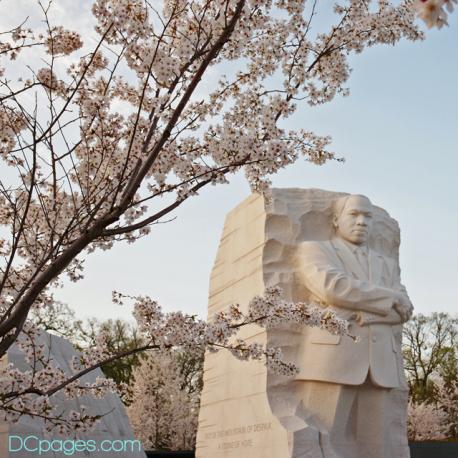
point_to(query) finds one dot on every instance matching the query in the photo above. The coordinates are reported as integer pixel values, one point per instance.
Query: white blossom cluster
(48, 79)
(11, 123)
(434, 12)
(62, 41)
(122, 17)
(12, 43)
(426, 422)
(434, 420)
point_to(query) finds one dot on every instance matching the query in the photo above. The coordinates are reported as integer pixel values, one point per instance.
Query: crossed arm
(332, 285)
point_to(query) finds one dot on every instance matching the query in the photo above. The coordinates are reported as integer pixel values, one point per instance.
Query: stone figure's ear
(334, 221)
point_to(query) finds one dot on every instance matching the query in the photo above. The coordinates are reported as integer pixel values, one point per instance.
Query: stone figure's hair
(339, 204)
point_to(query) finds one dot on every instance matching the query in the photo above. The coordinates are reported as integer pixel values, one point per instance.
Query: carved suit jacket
(335, 278)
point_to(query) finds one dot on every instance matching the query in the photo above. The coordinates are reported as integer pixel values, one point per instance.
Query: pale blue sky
(398, 132)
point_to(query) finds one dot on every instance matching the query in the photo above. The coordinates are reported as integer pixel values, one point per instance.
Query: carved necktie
(361, 256)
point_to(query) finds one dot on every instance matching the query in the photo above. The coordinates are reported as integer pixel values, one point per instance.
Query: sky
(398, 133)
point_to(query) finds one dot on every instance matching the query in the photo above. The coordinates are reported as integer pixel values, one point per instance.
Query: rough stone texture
(114, 426)
(235, 418)
(258, 249)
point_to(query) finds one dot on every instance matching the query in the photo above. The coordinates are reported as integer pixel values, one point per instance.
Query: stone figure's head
(353, 216)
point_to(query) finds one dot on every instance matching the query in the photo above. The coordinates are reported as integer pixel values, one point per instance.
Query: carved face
(355, 221)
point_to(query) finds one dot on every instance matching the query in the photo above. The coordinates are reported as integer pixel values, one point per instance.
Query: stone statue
(352, 394)
(349, 399)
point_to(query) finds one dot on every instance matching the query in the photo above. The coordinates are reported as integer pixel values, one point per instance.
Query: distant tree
(59, 319)
(120, 336)
(430, 347)
(191, 367)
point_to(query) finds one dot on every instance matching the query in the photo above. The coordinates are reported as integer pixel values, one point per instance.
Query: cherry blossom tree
(100, 144)
(163, 413)
(437, 417)
(426, 422)
(448, 400)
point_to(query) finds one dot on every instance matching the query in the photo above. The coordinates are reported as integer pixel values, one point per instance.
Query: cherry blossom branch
(165, 332)
(137, 178)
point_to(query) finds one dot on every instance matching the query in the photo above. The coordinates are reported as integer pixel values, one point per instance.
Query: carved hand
(403, 306)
